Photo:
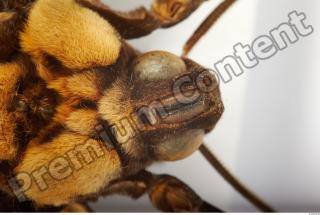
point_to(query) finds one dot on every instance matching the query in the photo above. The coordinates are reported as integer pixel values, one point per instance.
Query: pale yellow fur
(87, 180)
(84, 85)
(82, 121)
(80, 39)
(75, 35)
(10, 75)
(114, 105)
(115, 108)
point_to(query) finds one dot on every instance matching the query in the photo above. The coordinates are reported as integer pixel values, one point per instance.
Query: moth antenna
(210, 157)
(206, 25)
(235, 183)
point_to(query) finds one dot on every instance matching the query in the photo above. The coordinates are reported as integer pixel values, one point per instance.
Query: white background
(268, 136)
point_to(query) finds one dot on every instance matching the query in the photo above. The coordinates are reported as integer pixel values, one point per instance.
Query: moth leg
(76, 208)
(133, 186)
(166, 193)
(11, 204)
(141, 22)
(169, 194)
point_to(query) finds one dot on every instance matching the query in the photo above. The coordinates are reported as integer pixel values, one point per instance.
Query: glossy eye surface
(158, 65)
(180, 146)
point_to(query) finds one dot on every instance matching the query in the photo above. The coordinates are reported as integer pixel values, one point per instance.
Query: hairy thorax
(34, 106)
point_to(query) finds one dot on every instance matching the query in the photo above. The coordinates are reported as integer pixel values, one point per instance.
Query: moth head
(159, 102)
(174, 102)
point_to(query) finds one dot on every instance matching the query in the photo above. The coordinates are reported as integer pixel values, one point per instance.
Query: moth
(83, 113)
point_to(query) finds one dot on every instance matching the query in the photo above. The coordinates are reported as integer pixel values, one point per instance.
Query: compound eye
(157, 66)
(180, 146)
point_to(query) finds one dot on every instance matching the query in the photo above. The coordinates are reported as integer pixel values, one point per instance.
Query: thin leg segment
(166, 193)
(141, 22)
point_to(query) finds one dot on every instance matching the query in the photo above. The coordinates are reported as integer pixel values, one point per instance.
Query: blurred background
(268, 136)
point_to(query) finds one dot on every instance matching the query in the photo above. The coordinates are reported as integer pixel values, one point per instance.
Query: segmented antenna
(209, 156)
(233, 181)
(206, 25)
